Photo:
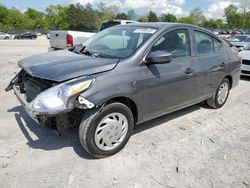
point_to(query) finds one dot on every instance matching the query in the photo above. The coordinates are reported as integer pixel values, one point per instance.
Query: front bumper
(34, 114)
(245, 70)
(24, 103)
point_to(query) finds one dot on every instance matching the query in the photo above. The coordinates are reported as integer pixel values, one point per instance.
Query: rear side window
(176, 42)
(206, 44)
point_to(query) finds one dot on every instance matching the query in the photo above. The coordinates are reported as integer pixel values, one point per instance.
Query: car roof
(160, 25)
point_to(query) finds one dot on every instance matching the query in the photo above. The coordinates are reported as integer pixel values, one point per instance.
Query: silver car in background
(245, 55)
(240, 41)
(4, 35)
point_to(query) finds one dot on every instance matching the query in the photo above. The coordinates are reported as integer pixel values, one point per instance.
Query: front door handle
(189, 71)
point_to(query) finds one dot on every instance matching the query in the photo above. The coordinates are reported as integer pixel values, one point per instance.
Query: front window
(118, 42)
(176, 42)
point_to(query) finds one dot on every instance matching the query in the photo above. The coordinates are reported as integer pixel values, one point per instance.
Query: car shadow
(166, 118)
(47, 139)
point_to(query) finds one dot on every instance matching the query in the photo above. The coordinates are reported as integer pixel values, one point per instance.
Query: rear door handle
(189, 71)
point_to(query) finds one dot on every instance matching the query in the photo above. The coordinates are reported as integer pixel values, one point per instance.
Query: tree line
(86, 18)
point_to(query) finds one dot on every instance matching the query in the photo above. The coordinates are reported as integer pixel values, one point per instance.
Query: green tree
(122, 16)
(143, 18)
(197, 14)
(56, 17)
(213, 23)
(81, 18)
(168, 18)
(3, 15)
(188, 20)
(152, 17)
(132, 15)
(38, 18)
(17, 20)
(233, 18)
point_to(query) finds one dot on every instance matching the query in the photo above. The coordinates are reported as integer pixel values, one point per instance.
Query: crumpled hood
(64, 65)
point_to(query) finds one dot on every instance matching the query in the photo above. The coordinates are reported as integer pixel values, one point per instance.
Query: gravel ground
(195, 147)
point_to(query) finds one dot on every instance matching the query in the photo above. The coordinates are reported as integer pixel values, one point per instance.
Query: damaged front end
(58, 105)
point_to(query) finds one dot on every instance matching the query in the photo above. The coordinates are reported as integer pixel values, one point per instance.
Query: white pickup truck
(61, 39)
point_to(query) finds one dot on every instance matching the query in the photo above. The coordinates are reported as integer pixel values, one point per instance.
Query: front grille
(246, 62)
(32, 86)
(32, 90)
(245, 72)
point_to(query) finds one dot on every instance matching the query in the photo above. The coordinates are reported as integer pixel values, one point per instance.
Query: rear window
(108, 24)
(206, 44)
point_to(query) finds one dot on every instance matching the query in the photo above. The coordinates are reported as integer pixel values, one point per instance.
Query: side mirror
(159, 57)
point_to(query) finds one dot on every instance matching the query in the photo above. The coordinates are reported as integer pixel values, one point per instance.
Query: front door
(171, 85)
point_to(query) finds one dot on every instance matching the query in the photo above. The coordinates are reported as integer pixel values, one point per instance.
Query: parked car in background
(111, 23)
(245, 55)
(4, 35)
(60, 39)
(123, 76)
(240, 41)
(26, 35)
(235, 32)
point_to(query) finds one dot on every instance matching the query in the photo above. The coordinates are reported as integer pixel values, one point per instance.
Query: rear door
(210, 59)
(172, 85)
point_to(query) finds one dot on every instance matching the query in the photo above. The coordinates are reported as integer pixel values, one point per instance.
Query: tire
(214, 101)
(96, 119)
(7, 38)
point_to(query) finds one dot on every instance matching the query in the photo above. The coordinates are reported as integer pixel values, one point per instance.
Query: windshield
(241, 38)
(117, 42)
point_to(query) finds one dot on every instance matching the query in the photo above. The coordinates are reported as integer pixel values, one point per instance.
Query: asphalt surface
(194, 147)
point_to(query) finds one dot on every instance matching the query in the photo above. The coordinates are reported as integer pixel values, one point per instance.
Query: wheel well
(129, 103)
(230, 80)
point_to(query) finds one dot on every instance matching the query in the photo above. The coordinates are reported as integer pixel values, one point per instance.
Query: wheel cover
(111, 131)
(222, 93)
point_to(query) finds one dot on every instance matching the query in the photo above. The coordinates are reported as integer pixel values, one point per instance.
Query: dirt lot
(194, 147)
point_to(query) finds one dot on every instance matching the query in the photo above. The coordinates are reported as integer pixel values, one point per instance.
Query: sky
(211, 8)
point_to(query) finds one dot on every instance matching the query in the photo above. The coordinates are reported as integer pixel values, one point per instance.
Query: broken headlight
(56, 98)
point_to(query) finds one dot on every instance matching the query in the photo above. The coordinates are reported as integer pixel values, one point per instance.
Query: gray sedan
(123, 76)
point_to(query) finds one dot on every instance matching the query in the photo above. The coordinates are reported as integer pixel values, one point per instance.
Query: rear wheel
(221, 95)
(105, 132)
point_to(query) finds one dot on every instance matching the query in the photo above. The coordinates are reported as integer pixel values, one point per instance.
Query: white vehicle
(5, 35)
(60, 39)
(245, 55)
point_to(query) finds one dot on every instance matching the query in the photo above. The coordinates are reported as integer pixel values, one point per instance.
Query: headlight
(56, 98)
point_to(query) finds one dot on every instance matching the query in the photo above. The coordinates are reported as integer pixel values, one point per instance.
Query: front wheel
(221, 95)
(106, 131)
